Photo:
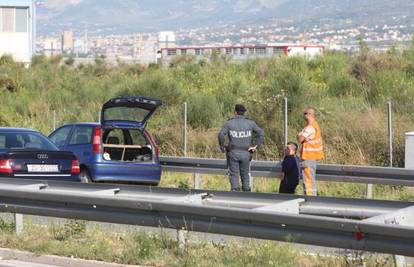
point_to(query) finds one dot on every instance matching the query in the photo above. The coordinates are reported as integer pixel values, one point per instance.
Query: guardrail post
(251, 183)
(197, 181)
(18, 221)
(369, 191)
(400, 261)
(181, 241)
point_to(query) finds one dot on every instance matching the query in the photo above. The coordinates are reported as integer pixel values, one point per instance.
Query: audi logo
(42, 156)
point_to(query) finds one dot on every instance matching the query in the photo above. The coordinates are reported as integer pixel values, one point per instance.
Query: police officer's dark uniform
(240, 132)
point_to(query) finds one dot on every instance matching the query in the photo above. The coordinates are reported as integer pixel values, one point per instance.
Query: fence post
(286, 120)
(185, 130)
(54, 120)
(390, 131)
(197, 181)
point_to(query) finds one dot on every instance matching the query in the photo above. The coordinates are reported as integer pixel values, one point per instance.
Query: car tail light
(75, 167)
(96, 144)
(5, 166)
(156, 148)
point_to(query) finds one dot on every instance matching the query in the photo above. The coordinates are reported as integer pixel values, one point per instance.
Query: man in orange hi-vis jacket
(311, 151)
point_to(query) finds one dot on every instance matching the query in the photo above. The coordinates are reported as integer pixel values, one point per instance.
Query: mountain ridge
(154, 15)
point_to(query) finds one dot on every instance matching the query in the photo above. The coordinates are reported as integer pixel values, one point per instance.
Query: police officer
(239, 131)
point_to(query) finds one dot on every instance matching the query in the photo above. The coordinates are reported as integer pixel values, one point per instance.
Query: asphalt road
(16, 258)
(16, 263)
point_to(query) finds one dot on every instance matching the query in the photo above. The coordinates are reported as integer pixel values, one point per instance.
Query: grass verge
(74, 239)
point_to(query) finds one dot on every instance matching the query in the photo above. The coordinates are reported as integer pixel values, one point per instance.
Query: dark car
(26, 153)
(118, 149)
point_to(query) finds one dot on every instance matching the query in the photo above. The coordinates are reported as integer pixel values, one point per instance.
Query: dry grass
(160, 249)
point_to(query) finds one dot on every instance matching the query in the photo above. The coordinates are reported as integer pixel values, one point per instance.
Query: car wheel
(84, 176)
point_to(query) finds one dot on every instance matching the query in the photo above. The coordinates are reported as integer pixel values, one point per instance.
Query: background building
(67, 42)
(242, 52)
(166, 39)
(17, 29)
(51, 46)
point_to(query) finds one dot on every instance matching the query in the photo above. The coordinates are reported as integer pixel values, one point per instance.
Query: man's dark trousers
(239, 162)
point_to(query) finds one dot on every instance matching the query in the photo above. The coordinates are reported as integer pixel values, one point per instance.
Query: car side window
(60, 136)
(81, 135)
(138, 138)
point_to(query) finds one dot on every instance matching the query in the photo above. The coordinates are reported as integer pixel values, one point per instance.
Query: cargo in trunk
(130, 145)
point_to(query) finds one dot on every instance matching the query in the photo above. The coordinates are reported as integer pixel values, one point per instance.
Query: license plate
(42, 168)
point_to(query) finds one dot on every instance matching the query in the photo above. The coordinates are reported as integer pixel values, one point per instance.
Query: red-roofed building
(241, 52)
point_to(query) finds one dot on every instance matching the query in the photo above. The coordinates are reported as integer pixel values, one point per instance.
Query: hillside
(154, 15)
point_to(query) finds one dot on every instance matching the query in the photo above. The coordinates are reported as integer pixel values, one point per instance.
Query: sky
(58, 4)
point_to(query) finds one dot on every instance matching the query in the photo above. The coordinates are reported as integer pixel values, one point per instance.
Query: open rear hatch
(123, 121)
(128, 112)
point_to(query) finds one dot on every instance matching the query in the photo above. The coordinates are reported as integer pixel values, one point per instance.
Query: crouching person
(291, 170)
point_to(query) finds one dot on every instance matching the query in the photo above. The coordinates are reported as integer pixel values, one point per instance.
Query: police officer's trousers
(239, 162)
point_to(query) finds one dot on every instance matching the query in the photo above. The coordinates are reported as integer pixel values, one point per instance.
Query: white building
(145, 48)
(17, 29)
(80, 47)
(242, 52)
(166, 39)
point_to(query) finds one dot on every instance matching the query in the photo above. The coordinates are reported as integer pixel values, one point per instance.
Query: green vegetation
(73, 239)
(350, 92)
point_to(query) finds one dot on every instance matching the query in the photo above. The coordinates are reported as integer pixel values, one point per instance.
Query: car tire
(84, 176)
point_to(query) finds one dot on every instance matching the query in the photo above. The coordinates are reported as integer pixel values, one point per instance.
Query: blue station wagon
(118, 149)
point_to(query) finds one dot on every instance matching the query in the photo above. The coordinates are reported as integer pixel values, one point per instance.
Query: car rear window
(25, 141)
(125, 114)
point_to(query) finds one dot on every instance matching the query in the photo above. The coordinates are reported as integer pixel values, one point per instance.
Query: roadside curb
(11, 254)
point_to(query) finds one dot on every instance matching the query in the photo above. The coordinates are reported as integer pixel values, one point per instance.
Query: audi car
(118, 149)
(28, 154)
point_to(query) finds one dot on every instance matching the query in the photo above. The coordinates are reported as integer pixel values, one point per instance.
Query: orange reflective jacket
(313, 149)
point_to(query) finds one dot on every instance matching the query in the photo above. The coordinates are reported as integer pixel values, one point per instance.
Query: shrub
(6, 60)
(155, 84)
(342, 84)
(203, 111)
(71, 229)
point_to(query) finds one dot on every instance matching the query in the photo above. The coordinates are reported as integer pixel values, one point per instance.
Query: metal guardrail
(267, 216)
(325, 172)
